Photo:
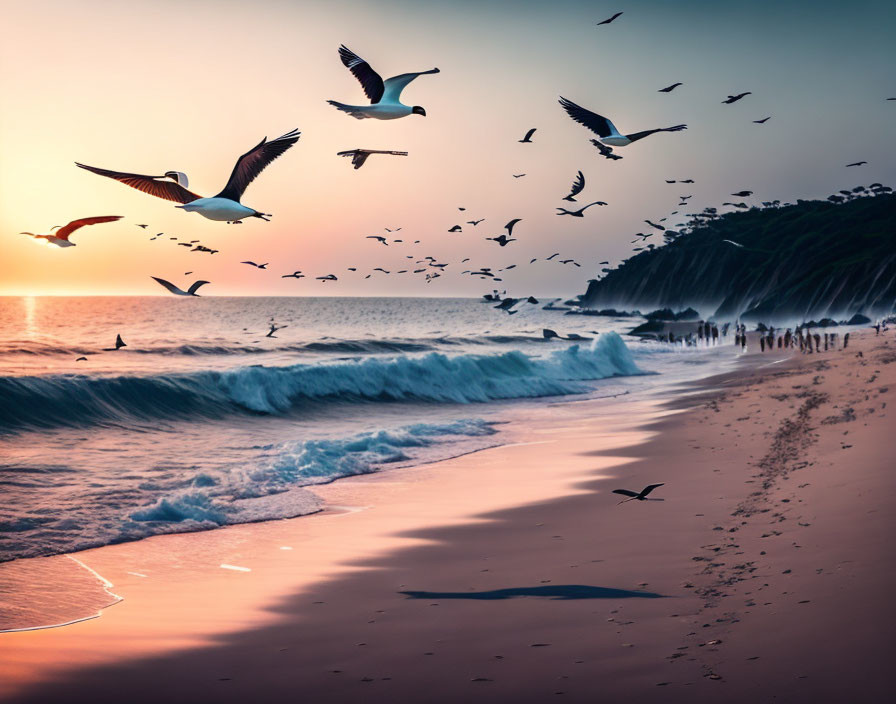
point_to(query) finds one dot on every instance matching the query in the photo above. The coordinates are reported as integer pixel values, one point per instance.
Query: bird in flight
(474, 223)
(378, 238)
(328, 277)
(607, 21)
(502, 240)
(763, 120)
(528, 138)
(179, 291)
(257, 266)
(580, 213)
(635, 495)
(456, 228)
(734, 98)
(359, 156)
(856, 163)
(293, 275)
(743, 194)
(385, 103)
(576, 187)
(61, 238)
(518, 175)
(226, 205)
(605, 129)
(119, 343)
(143, 226)
(669, 89)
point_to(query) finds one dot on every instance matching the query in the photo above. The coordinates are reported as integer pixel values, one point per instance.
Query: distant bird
(576, 187)
(460, 208)
(275, 328)
(81, 359)
(639, 496)
(856, 163)
(605, 129)
(474, 223)
(143, 226)
(60, 239)
(735, 98)
(607, 21)
(502, 240)
(293, 275)
(580, 213)
(528, 138)
(518, 175)
(381, 240)
(736, 244)
(328, 277)
(605, 151)
(187, 273)
(555, 254)
(385, 103)
(763, 120)
(179, 291)
(456, 228)
(603, 263)
(119, 343)
(257, 266)
(743, 194)
(654, 225)
(669, 89)
(570, 261)
(687, 180)
(226, 205)
(359, 156)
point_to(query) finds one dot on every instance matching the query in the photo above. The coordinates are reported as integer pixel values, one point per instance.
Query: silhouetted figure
(762, 343)
(715, 335)
(846, 341)
(826, 336)
(817, 342)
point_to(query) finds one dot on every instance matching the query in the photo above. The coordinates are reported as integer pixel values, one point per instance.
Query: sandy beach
(512, 575)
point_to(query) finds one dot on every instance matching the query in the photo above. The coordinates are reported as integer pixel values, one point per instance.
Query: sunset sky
(148, 86)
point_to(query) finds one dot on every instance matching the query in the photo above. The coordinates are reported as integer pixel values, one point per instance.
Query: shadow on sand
(556, 592)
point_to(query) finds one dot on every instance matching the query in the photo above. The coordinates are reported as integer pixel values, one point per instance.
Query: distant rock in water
(814, 259)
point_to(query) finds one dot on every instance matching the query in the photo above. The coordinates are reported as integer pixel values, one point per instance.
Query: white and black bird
(225, 206)
(605, 129)
(528, 138)
(61, 237)
(359, 156)
(637, 495)
(576, 187)
(580, 213)
(179, 291)
(385, 103)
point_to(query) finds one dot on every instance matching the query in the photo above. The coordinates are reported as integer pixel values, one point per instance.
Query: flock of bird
(384, 103)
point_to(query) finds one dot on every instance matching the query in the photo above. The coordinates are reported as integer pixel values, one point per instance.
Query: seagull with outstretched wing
(226, 205)
(359, 156)
(384, 96)
(605, 129)
(637, 495)
(179, 291)
(61, 237)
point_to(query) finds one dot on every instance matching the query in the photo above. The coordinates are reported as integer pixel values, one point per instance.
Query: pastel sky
(148, 86)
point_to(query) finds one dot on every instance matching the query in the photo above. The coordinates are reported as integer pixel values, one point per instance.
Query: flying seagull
(640, 496)
(763, 120)
(226, 205)
(60, 239)
(743, 194)
(605, 129)
(328, 277)
(474, 223)
(856, 163)
(179, 291)
(257, 266)
(359, 156)
(580, 213)
(502, 240)
(576, 187)
(607, 21)
(456, 228)
(518, 175)
(384, 96)
(734, 98)
(293, 275)
(669, 89)
(142, 226)
(378, 238)
(528, 138)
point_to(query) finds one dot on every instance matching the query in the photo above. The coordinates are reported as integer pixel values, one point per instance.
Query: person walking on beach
(846, 341)
(762, 343)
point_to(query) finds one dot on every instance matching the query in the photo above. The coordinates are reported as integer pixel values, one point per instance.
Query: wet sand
(512, 575)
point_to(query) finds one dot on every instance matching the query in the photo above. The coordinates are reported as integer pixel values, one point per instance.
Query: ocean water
(203, 421)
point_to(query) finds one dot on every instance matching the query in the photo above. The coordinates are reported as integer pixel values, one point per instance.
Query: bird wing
(594, 122)
(529, 134)
(393, 86)
(370, 80)
(625, 492)
(195, 287)
(646, 133)
(577, 185)
(167, 284)
(509, 226)
(169, 190)
(66, 230)
(359, 158)
(254, 161)
(647, 489)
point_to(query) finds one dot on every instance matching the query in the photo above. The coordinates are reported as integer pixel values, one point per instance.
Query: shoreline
(556, 537)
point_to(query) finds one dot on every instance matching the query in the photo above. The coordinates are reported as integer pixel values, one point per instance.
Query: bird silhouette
(637, 496)
(734, 98)
(528, 138)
